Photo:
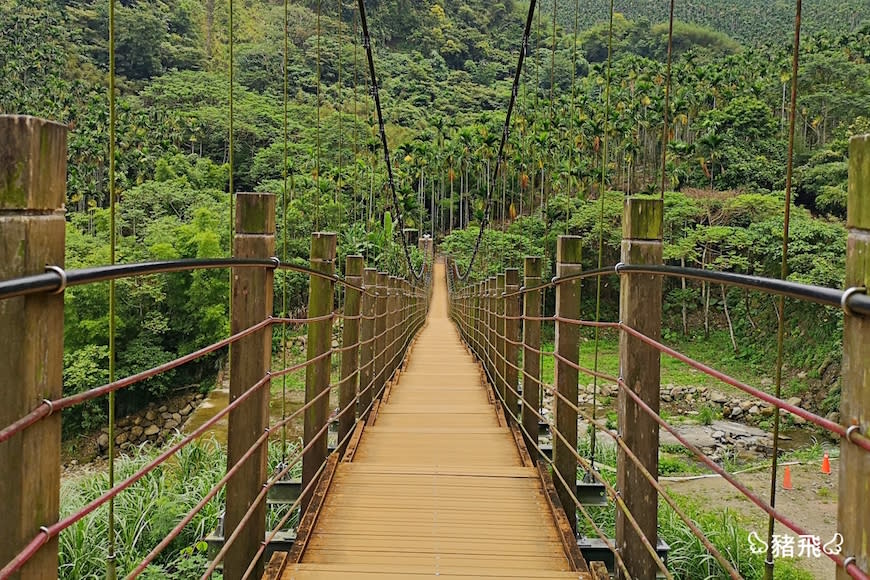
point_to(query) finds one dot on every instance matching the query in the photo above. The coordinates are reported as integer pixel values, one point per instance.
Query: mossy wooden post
(321, 299)
(33, 156)
(406, 317)
(367, 332)
(249, 363)
(531, 347)
(568, 348)
(853, 512)
(640, 307)
(512, 332)
(353, 274)
(499, 336)
(383, 286)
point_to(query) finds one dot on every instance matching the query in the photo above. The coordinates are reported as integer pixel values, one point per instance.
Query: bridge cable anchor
(851, 430)
(50, 406)
(60, 272)
(844, 300)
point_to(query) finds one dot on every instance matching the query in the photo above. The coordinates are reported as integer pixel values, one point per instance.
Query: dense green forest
(445, 71)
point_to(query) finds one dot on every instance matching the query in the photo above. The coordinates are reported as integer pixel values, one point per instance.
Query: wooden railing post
(511, 332)
(393, 324)
(490, 328)
(640, 307)
(250, 360)
(531, 347)
(568, 348)
(499, 336)
(320, 303)
(33, 157)
(853, 511)
(353, 274)
(383, 286)
(476, 303)
(367, 332)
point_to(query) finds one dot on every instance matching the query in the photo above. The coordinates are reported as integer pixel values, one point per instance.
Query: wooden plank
(309, 519)
(353, 443)
(275, 567)
(566, 531)
(373, 415)
(521, 446)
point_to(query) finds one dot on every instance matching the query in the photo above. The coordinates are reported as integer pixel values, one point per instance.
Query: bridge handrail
(403, 320)
(474, 309)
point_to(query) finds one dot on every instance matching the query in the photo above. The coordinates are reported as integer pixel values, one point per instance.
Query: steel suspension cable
(572, 129)
(338, 182)
(317, 128)
(284, 236)
(355, 115)
(504, 134)
(111, 572)
(367, 43)
(666, 134)
(780, 331)
(601, 192)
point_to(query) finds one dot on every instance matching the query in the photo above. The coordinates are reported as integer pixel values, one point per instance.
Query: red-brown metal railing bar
(857, 438)
(617, 499)
(539, 318)
(572, 493)
(584, 370)
(49, 407)
(696, 531)
(586, 323)
(588, 467)
(301, 321)
(852, 569)
(48, 532)
(228, 542)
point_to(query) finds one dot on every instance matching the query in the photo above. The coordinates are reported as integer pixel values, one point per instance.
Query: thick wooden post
(490, 328)
(383, 286)
(353, 274)
(531, 347)
(499, 335)
(249, 363)
(393, 325)
(640, 307)
(32, 196)
(853, 512)
(321, 299)
(367, 332)
(568, 348)
(512, 334)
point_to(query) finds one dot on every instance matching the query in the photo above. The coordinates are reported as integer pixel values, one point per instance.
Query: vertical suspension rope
(666, 134)
(111, 572)
(317, 131)
(355, 115)
(553, 68)
(780, 332)
(230, 162)
(571, 127)
(601, 232)
(284, 241)
(339, 111)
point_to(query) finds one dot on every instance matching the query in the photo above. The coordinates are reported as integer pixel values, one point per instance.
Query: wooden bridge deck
(437, 485)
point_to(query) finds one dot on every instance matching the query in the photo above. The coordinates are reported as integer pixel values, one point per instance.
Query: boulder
(186, 410)
(150, 415)
(796, 401)
(736, 412)
(170, 424)
(152, 430)
(103, 440)
(162, 409)
(122, 438)
(754, 410)
(136, 432)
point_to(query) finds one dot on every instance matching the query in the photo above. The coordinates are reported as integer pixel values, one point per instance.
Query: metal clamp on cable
(60, 272)
(851, 431)
(275, 260)
(554, 280)
(50, 407)
(844, 300)
(618, 266)
(848, 561)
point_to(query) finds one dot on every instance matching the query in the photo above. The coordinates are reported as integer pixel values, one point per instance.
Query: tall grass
(147, 512)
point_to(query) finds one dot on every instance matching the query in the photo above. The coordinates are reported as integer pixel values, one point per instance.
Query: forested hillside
(755, 22)
(445, 71)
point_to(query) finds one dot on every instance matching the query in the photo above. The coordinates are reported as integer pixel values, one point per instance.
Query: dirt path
(812, 504)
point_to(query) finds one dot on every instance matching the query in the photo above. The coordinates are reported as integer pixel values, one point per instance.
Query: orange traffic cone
(786, 479)
(826, 465)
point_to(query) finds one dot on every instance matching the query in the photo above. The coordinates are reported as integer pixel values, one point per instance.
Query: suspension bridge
(434, 460)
